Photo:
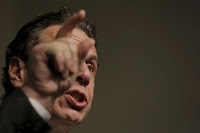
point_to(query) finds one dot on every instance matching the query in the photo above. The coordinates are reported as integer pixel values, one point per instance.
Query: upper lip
(83, 96)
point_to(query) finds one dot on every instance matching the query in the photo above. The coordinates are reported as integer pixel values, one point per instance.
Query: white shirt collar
(42, 111)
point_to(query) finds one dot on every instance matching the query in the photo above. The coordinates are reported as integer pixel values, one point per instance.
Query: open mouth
(76, 99)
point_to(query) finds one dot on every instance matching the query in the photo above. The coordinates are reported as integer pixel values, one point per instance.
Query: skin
(74, 69)
(63, 115)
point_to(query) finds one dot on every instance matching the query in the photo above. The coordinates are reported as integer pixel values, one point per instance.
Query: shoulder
(17, 114)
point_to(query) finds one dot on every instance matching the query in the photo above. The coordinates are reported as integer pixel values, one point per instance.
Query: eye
(90, 67)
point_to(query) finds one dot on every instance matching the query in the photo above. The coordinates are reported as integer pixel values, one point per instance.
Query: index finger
(71, 24)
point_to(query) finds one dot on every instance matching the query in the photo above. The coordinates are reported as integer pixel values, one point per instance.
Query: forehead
(77, 34)
(50, 33)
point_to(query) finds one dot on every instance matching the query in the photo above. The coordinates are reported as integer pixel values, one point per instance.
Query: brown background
(148, 80)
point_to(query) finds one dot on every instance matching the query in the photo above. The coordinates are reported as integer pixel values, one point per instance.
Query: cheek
(57, 107)
(91, 91)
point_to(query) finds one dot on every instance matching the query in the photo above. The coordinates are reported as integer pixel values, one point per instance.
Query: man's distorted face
(73, 106)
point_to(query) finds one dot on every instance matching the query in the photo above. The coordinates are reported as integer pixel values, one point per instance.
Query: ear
(17, 72)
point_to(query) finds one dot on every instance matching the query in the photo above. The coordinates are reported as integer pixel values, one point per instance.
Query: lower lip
(73, 102)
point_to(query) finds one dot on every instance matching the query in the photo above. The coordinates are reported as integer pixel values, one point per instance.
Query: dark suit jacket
(18, 116)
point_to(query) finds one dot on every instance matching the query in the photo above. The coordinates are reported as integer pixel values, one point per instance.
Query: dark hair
(29, 36)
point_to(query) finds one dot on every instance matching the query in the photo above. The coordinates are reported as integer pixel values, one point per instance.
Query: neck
(58, 126)
(44, 100)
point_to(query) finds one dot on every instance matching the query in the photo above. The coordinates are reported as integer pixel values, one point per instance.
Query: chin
(67, 114)
(74, 117)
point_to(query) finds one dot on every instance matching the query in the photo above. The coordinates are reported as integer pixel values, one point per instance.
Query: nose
(84, 75)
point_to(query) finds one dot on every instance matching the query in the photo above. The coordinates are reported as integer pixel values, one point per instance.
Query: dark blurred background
(148, 79)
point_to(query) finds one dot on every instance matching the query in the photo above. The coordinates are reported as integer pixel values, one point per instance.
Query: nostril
(82, 81)
(79, 78)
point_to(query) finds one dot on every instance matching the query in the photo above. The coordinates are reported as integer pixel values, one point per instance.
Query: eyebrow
(93, 57)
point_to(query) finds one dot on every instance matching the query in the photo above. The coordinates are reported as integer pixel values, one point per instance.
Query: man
(51, 55)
